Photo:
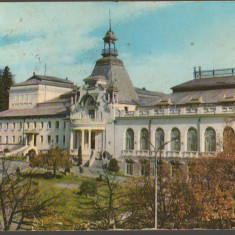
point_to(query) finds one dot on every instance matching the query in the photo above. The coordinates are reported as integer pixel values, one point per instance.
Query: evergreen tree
(6, 81)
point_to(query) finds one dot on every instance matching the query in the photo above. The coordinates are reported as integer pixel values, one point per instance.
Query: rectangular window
(129, 168)
(92, 114)
(64, 139)
(35, 125)
(0, 139)
(21, 125)
(145, 169)
(0, 125)
(57, 139)
(20, 139)
(48, 139)
(126, 109)
(57, 124)
(6, 139)
(14, 125)
(41, 139)
(49, 125)
(13, 139)
(27, 125)
(7, 126)
(42, 125)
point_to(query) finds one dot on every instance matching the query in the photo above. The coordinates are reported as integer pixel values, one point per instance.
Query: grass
(68, 210)
(15, 158)
(72, 205)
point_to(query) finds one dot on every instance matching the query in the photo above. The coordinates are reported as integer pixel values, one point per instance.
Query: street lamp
(155, 157)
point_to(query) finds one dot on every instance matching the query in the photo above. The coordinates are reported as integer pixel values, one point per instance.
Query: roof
(113, 70)
(56, 106)
(222, 82)
(187, 97)
(109, 36)
(146, 96)
(46, 80)
(36, 111)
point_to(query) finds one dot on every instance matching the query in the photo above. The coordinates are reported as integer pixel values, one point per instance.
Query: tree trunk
(54, 172)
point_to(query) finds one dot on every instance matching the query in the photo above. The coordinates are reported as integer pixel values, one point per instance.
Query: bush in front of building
(88, 187)
(113, 165)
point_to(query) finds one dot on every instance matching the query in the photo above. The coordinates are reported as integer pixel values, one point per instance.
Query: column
(89, 139)
(83, 135)
(71, 140)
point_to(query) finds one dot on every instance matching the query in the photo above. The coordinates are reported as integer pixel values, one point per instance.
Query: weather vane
(109, 19)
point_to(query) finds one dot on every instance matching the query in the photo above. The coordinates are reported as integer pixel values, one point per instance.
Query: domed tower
(113, 71)
(109, 44)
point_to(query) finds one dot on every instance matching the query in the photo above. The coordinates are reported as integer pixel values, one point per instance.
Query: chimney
(200, 71)
(34, 74)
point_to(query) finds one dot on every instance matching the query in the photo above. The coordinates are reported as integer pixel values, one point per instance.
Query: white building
(108, 114)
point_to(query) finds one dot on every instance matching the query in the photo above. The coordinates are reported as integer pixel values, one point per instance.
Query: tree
(105, 209)
(55, 159)
(79, 161)
(113, 165)
(6, 81)
(20, 200)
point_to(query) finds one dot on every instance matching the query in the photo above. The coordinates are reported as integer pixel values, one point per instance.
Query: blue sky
(159, 42)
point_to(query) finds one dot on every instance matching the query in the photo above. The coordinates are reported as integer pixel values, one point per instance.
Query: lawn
(67, 216)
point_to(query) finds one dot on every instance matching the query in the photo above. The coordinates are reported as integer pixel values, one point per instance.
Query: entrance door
(92, 139)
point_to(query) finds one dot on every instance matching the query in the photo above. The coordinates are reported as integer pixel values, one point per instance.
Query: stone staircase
(18, 152)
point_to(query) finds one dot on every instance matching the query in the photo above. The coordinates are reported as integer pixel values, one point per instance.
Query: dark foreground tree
(6, 81)
(79, 161)
(21, 201)
(104, 210)
(54, 159)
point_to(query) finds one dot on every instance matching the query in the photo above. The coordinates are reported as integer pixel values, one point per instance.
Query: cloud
(58, 34)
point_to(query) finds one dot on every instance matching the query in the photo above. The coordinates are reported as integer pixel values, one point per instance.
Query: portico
(90, 139)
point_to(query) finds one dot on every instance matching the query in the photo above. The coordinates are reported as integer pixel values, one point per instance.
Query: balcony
(162, 153)
(109, 51)
(228, 109)
(214, 73)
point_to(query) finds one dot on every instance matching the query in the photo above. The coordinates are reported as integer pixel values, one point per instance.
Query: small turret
(113, 93)
(109, 43)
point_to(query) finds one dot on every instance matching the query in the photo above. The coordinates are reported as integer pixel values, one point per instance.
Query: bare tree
(104, 210)
(20, 200)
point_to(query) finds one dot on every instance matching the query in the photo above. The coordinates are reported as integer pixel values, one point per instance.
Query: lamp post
(155, 178)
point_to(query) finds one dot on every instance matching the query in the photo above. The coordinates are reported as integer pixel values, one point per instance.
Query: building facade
(109, 115)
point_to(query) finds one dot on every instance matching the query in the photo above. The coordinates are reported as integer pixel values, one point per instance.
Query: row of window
(192, 139)
(27, 125)
(20, 139)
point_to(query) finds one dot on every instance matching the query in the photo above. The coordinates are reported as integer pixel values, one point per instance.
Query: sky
(159, 42)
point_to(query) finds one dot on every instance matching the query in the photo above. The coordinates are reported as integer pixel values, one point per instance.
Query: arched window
(192, 139)
(159, 138)
(228, 139)
(144, 144)
(129, 139)
(210, 140)
(175, 144)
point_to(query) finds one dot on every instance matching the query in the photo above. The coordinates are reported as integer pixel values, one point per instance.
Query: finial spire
(109, 19)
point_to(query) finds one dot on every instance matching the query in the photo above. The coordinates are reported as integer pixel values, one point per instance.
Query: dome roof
(109, 36)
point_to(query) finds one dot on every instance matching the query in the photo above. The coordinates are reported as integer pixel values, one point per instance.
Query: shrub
(88, 187)
(113, 165)
(6, 150)
(18, 171)
(99, 178)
